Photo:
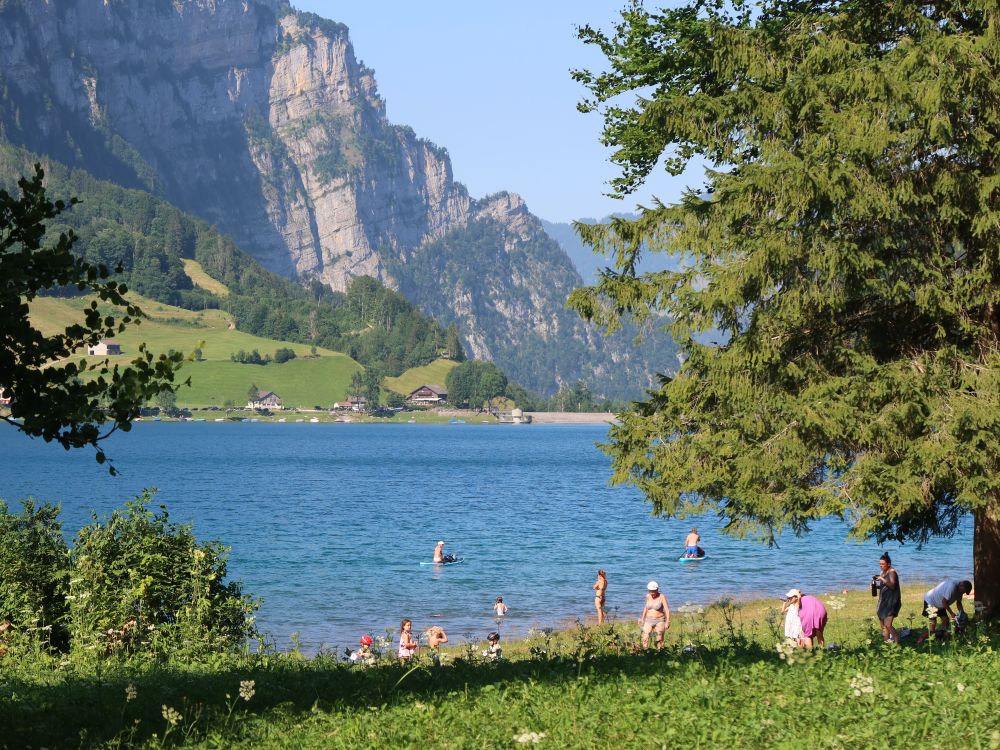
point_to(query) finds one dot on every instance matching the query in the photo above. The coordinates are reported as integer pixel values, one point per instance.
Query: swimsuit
(406, 651)
(657, 606)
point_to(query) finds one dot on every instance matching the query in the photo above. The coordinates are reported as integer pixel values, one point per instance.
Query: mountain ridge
(260, 120)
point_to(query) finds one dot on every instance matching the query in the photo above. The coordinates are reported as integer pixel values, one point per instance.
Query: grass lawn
(433, 374)
(305, 381)
(718, 683)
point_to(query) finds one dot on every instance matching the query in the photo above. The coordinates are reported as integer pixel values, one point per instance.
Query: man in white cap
(440, 556)
(655, 615)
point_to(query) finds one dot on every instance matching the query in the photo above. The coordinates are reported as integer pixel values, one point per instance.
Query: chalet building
(104, 348)
(265, 400)
(354, 403)
(428, 394)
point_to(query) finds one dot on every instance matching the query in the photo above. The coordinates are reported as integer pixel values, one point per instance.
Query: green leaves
(141, 583)
(843, 254)
(51, 398)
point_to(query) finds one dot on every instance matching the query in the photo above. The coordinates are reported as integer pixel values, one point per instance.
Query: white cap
(652, 586)
(440, 543)
(792, 592)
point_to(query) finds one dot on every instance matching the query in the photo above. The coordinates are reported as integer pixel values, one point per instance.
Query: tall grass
(719, 682)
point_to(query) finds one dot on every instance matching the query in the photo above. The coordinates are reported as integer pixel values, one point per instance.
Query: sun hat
(793, 592)
(652, 586)
(366, 640)
(440, 543)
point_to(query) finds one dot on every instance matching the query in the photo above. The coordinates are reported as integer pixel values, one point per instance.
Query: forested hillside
(150, 239)
(492, 313)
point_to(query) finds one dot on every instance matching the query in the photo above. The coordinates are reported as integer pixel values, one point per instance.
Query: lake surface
(329, 522)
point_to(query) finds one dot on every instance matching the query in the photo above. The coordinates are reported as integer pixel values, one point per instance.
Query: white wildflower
(529, 738)
(131, 693)
(247, 689)
(171, 715)
(960, 687)
(836, 603)
(862, 685)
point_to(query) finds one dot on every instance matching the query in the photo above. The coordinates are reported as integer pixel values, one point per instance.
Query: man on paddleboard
(440, 556)
(691, 544)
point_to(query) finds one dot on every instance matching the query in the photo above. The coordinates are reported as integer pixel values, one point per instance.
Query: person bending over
(938, 602)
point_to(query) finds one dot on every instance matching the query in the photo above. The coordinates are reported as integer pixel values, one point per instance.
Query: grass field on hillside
(201, 279)
(433, 374)
(719, 682)
(301, 382)
(305, 381)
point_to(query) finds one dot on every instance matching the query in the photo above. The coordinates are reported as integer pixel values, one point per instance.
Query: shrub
(283, 355)
(142, 583)
(33, 572)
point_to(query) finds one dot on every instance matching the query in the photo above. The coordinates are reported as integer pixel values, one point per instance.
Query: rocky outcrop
(261, 120)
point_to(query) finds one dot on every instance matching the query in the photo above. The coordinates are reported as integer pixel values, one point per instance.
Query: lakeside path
(566, 417)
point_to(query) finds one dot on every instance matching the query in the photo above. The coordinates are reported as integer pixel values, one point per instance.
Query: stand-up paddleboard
(691, 559)
(453, 562)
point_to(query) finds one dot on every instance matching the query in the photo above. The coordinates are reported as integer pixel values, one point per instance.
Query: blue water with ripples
(329, 522)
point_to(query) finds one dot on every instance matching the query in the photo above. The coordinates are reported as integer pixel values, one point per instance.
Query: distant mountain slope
(588, 263)
(261, 121)
(156, 244)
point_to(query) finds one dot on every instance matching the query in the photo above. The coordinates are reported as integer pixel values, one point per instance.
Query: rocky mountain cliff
(261, 120)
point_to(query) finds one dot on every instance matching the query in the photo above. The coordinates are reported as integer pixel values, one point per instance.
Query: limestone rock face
(262, 121)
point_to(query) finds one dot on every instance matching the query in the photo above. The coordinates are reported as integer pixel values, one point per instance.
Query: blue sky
(490, 82)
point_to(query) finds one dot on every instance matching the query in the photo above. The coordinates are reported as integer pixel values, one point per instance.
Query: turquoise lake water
(329, 522)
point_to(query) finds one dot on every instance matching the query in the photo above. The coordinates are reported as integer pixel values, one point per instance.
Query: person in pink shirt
(812, 615)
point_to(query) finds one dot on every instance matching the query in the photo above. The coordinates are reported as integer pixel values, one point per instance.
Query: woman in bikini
(600, 587)
(655, 615)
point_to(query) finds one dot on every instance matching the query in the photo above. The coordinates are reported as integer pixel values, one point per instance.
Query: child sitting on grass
(493, 651)
(364, 656)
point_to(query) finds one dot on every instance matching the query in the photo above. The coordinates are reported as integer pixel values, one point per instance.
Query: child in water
(499, 608)
(493, 651)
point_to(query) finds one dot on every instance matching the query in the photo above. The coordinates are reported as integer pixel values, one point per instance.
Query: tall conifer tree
(844, 252)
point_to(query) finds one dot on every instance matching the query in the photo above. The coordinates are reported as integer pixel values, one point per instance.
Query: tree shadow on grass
(87, 711)
(92, 710)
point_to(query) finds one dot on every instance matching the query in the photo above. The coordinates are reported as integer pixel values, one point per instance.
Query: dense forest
(150, 239)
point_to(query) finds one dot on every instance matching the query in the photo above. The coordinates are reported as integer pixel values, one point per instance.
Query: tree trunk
(986, 558)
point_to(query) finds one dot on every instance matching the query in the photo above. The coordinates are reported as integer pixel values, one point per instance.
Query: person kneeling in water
(440, 556)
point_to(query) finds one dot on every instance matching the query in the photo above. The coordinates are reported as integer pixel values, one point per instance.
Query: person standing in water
(600, 587)
(691, 544)
(499, 608)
